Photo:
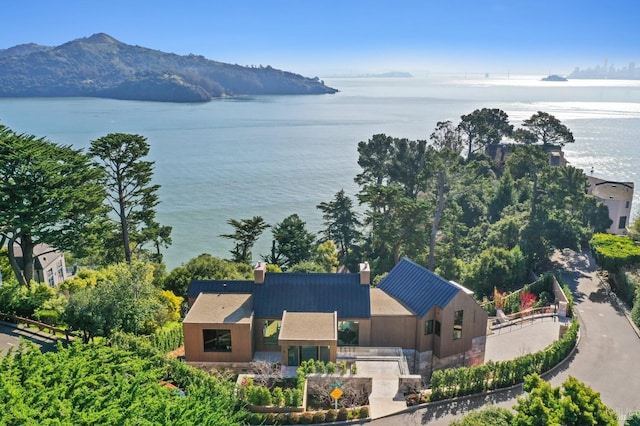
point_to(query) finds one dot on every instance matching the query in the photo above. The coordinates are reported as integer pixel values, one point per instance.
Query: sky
(324, 38)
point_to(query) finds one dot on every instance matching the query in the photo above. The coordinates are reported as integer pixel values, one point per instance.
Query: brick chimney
(259, 272)
(365, 274)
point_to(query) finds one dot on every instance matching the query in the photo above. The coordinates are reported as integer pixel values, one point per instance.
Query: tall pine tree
(130, 194)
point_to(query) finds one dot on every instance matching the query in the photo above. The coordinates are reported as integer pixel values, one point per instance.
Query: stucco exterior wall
(241, 343)
(618, 209)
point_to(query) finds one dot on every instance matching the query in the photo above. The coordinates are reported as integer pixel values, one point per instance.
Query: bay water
(277, 155)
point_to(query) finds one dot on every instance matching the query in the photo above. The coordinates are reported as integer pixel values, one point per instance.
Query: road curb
(618, 303)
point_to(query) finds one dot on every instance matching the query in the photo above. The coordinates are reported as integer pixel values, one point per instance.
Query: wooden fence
(40, 325)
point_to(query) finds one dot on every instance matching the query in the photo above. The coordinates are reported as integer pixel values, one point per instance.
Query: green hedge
(167, 340)
(613, 252)
(454, 382)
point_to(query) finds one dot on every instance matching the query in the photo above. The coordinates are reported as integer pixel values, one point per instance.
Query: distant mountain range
(101, 66)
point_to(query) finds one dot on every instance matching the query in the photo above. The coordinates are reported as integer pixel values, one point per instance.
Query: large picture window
(457, 324)
(217, 340)
(271, 331)
(348, 333)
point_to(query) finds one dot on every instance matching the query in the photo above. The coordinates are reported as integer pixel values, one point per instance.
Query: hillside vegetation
(101, 66)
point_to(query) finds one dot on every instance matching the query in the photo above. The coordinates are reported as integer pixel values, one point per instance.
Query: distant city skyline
(351, 37)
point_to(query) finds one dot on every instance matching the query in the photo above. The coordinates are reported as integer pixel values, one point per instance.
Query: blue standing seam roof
(417, 288)
(319, 292)
(297, 292)
(219, 286)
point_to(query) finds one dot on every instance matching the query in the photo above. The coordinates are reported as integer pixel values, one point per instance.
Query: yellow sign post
(336, 393)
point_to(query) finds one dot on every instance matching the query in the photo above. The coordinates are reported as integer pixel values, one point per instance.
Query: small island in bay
(554, 77)
(101, 66)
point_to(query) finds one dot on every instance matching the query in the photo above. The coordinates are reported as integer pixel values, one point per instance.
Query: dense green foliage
(482, 219)
(293, 243)
(341, 225)
(205, 267)
(484, 127)
(454, 382)
(246, 233)
(97, 384)
(635, 312)
(493, 416)
(572, 404)
(48, 194)
(131, 197)
(613, 252)
(633, 419)
(112, 69)
(547, 129)
(126, 301)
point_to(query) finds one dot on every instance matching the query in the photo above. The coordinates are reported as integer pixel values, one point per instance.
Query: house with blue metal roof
(436, 322)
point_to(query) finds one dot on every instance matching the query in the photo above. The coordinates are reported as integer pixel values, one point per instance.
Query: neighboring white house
(49, 264)
(618, 196)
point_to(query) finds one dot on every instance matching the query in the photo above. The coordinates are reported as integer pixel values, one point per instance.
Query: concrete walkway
(384, 398)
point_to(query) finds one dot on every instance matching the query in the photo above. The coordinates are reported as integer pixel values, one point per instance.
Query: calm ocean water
(278, 155)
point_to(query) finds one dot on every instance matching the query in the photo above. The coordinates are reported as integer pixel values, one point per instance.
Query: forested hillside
(100, 66)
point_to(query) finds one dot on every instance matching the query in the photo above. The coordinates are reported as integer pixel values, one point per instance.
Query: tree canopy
(342, 226)
(547, 129)
(293, 243)
(132, 198)
(205, 267)
(572, 404)
(246, 233)
(125, 301)
(49, 194)
(484, 127)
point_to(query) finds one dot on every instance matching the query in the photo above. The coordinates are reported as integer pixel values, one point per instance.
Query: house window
(293, 357)
(348, 333)
(428, 327)
(308, 352)
(297, 354)
(457, 325)
(623, 222)
(217, 340)
(626, 205)
(271, 331)
(60, 271)
(437, 328)
(50, 278)
(324, 353)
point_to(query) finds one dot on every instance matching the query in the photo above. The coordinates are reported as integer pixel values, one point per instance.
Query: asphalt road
(606, 358)
(9, 338)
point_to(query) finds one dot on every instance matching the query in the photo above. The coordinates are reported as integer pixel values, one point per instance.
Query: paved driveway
(606, 359)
